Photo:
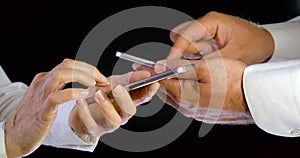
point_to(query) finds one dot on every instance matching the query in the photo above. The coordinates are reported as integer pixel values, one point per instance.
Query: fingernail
(100, 96)
(119, 90)
(135, 66)
(160, 66)
(93, 82)
(82, 93)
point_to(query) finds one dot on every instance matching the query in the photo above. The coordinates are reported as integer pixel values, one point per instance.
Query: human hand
(212, 93)
(108, 114)
(235, 37)
(32, 120)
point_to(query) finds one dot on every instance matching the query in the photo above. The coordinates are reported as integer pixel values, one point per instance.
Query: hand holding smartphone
(144, 82)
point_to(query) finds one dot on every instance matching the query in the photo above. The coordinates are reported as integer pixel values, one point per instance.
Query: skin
(108, 114)
(191, 93)
(31, 122)
(235, 37)
(218, 74)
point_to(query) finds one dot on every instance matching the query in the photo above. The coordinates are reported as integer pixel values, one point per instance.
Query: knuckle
(38, 78)
(55, 74)
(213, 13)
(39, 75)
(51, 99)
(68, 62)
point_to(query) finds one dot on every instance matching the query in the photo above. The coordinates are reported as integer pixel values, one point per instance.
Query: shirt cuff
(2, 141)
(272, 94)
(61, 134)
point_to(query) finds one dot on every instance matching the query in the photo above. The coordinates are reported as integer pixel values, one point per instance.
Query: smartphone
(155, 78)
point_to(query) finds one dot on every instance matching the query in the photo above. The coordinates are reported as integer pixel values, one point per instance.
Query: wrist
(11, 147)
(269, 46)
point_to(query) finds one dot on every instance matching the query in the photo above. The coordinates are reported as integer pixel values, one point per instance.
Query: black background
(37, 35)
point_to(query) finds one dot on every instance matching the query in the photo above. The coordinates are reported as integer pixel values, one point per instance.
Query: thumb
(165, 65)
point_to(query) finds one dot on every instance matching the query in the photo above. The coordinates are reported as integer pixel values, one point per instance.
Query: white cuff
(272, 94)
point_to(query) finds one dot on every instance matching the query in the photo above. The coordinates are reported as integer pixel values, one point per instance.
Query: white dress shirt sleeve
(272, 90)
(61, 134)
(286, 37)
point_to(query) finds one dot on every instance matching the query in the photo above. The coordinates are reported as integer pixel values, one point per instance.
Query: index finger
(175, 31)
(85, 67)
(204, 28)
(164, 65)
(190, 34)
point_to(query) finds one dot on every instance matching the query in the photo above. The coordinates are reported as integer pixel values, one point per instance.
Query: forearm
(10, 96)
